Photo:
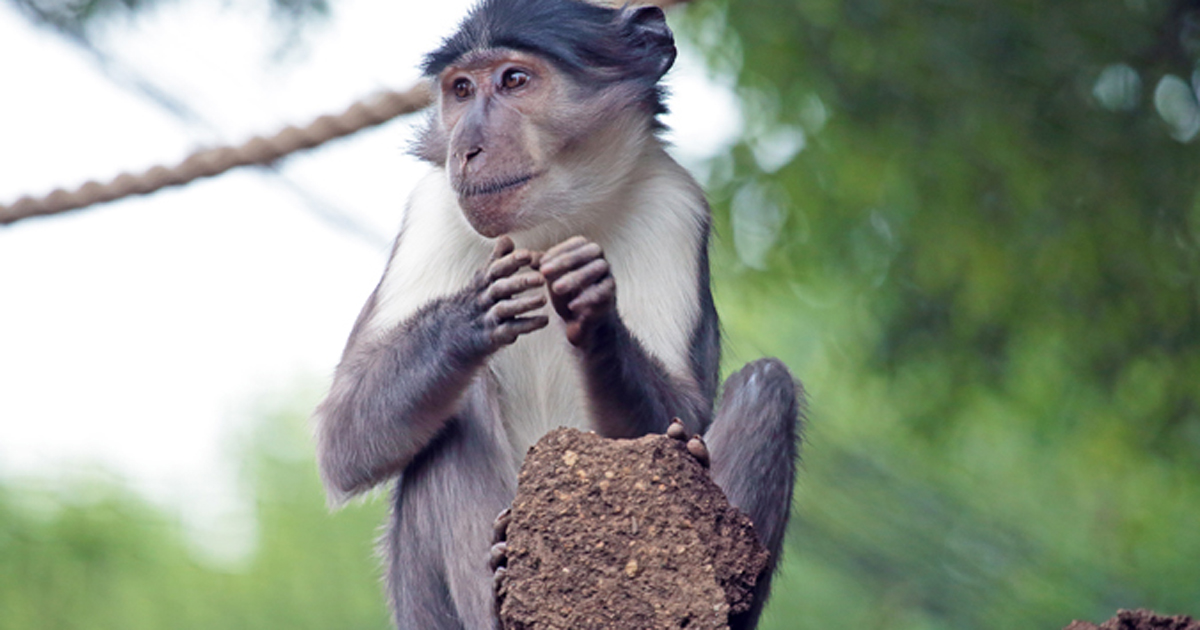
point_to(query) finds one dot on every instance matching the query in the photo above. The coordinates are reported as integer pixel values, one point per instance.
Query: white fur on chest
(651, 242)
(541, 386)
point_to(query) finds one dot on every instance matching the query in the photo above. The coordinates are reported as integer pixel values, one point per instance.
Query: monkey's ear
(646, 30)
(431, 141)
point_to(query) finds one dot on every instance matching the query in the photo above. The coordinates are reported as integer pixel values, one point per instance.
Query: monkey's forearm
(629, 391)
(390, 397)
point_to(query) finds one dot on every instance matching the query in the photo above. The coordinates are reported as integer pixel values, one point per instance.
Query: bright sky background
(136, 337)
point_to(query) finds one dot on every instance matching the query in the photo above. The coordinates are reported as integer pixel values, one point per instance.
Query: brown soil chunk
(624, 534)
(1139, 620)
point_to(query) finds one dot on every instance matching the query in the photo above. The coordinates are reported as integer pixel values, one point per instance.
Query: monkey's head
(543, 106)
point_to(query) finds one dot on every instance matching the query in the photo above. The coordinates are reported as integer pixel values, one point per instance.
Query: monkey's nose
(471, 153)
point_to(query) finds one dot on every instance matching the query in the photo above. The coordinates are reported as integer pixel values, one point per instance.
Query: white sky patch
(705, 118)
(134, 336)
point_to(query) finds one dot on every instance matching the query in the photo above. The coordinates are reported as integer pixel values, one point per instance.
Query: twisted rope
(209, 162)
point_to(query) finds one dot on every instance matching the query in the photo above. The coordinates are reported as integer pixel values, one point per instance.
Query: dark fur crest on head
(597, 46)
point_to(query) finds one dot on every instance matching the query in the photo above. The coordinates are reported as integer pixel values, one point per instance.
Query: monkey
(551, 269)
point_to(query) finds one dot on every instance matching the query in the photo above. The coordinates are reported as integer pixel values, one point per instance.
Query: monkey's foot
(498, 556)
(695, 445)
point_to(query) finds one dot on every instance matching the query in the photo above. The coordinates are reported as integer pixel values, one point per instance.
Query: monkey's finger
(500, 525)
(504, 245)
(524, 325)
(508, 332)
(554, 266)
(508, 264)
(498, 556)
(581, 278)
(594, 298)
(571, 243)
(508, 309)
(565, 247)
(506, 287)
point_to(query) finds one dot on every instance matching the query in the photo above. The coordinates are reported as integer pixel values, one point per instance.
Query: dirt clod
(624, 534)
(1139, 620)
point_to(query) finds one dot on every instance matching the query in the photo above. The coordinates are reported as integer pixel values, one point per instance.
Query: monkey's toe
(677, 431)
(699, 450)
(498, 555)
(499, 581)
(500, 525)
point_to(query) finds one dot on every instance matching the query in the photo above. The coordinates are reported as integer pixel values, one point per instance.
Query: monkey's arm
(392, 395)
(630, 392)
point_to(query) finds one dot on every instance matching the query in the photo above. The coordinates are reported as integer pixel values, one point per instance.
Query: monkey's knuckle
(502, 289)
(561, 287)
(504, 336)
(534, 279)
(526, 281)
(490, 320)
(499, 290)
(524, 306)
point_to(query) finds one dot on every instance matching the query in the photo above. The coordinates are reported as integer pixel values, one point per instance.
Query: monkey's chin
(493, 214)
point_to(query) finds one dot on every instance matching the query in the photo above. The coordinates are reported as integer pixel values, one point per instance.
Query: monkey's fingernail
(696, 447)
(677, 430)
(498, 557)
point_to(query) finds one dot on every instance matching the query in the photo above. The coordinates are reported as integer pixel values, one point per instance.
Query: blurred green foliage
(972, 229)
(92, 555)
(980, 250)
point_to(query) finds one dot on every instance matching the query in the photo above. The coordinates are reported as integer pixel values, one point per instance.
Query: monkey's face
(521, 139)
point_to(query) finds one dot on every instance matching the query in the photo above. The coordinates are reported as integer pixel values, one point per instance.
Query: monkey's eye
(514, 79)
(462, 89)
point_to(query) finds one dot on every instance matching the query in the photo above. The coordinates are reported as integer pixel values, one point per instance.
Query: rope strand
(369, 112)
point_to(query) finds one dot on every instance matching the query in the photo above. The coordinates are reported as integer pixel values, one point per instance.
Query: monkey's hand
(501, 313)
(582, 288)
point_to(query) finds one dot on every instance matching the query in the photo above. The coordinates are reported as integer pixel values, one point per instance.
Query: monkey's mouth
(496, 186)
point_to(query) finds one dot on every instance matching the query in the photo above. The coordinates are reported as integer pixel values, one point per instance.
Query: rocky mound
(624, 534)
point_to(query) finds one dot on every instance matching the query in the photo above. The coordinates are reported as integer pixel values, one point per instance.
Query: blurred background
(972, 229)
